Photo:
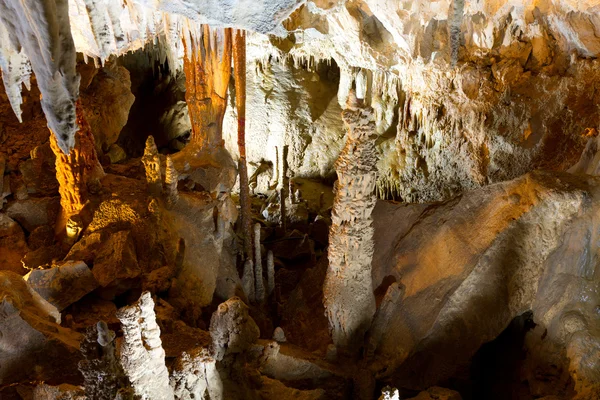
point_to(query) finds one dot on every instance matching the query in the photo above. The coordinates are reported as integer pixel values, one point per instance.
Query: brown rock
(106, 103)
(438, 393)
(39, 172)
(29, 328)
(12, 245)
(34, 212)
(64, 284)
(116, 259)
(40, 237)
(43, 257)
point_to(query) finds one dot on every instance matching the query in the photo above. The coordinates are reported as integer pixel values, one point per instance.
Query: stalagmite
(171, 180)
(270, 273)
(102, 373)
(348, 293)
(285, 183)
(239, 67)
(207, 67)
(151, 160)
(232, 330)
(76, 171)
(258, 271)
(248, 281)
(142, 355)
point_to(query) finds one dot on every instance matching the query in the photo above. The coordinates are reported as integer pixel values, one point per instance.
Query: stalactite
(270, 273)
(248, 281)
(258, 271)
(276, 169)
(455, 17)
(43, 31)
(76, 170)
(207, 67)
(348, 293)
(239, 67)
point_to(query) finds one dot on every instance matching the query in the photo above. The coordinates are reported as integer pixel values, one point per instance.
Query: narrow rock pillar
(348, 293)
(239, 67)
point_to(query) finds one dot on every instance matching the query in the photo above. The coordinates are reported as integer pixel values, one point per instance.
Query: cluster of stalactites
(40, 32)
(207, 67)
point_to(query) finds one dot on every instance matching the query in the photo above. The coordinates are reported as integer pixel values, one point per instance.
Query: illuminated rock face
(347, 292)
(468, 266)
(77, 169)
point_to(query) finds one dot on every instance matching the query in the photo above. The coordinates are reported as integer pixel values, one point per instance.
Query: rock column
(348, 293)
(142, 355)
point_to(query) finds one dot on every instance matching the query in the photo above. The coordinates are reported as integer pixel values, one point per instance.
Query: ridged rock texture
(463, 281)
(142, 355)
(347, 291)
(77, 169)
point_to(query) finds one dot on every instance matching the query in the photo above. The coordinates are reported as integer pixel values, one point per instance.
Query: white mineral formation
(258, 269)
(248, 281)
(270, 273)
(142, 355)
(195, 376)
(41, 31)
(347, 291)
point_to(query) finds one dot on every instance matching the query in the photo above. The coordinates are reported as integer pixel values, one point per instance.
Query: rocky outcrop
(64, 284)
(29, 328)
(232, 329)
(464, 281)
(347, 291)
(106, 102)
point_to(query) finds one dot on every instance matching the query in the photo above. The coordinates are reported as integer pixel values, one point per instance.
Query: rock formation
(419, 179)
(141, 353)
(77, 169)
(103, 375)
(347, 291)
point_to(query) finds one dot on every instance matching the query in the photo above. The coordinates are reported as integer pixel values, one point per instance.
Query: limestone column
(348, 293)
(239, 62)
